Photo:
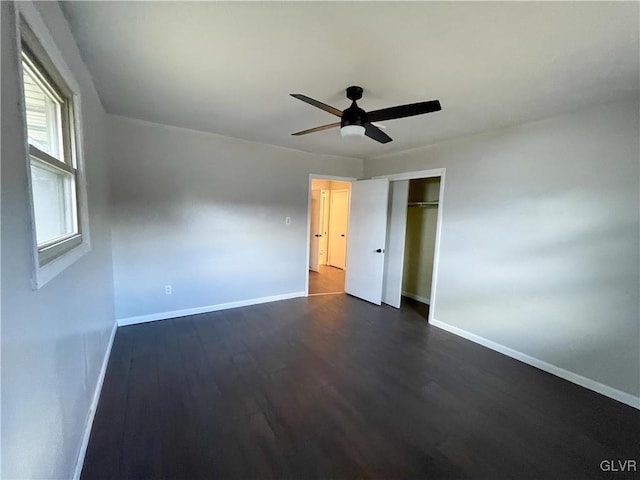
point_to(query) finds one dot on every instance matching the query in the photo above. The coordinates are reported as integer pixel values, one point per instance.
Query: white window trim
(27, 12)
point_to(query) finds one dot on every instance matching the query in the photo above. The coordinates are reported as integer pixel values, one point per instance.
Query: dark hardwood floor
(328, 280)
(334, 387)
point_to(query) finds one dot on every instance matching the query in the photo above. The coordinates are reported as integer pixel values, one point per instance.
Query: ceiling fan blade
(316, 103)
(374, 132)
(317, 129)
(402, 111)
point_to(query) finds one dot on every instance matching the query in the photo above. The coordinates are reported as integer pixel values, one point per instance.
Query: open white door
(314, 232)
(396, 231)
(366, 240)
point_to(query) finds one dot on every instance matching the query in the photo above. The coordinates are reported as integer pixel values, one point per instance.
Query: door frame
(317, 176)
(435, 172)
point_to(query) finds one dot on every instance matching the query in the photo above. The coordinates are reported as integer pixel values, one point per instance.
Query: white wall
(320, 184)
(539, 246)
(53, 339)
(206, 214)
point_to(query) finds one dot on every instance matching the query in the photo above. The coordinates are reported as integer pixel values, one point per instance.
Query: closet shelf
(423, 204)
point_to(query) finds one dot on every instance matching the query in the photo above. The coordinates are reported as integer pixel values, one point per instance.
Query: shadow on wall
(545, 297)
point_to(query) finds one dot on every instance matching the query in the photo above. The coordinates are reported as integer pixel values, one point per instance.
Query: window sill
(45, 273)
(58, 249)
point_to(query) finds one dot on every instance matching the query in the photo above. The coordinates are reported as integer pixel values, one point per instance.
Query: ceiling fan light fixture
(352, 131)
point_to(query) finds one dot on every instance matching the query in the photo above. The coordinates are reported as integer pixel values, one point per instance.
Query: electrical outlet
(287, 220)
(168, 289)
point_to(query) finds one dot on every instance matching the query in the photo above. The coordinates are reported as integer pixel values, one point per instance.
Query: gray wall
(54, 339)
(206, 214)
(539, 246)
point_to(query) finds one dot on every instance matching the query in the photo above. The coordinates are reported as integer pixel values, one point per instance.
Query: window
(57, 194)
(48, 113)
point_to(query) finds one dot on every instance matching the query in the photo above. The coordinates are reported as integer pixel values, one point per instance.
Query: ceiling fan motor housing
(353, 115)
(354, 93)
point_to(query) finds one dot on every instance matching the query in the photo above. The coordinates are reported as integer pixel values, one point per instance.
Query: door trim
(316, 176)
(435, 172)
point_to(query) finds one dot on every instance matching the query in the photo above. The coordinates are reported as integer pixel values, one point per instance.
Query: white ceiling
(228, 68)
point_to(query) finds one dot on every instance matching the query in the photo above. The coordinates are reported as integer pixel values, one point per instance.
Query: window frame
(53, 257)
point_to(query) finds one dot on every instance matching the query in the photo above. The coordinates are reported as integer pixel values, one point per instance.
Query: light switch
(287, 220)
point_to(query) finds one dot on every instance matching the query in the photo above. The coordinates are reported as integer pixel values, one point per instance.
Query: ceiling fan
(354, 121)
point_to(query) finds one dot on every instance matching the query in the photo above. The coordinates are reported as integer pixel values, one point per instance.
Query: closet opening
(420, 240)
(414, 217)
(328, 235)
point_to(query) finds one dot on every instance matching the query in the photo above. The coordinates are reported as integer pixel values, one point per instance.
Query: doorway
(328, 235)
(377, 223)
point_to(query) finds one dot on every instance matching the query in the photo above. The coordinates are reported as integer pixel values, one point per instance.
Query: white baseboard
(416, 297)
(94, 405)
(601, 388)
(208, 308)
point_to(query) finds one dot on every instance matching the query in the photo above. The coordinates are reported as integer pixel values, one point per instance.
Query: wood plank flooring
(328, 280)
(334, 387)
